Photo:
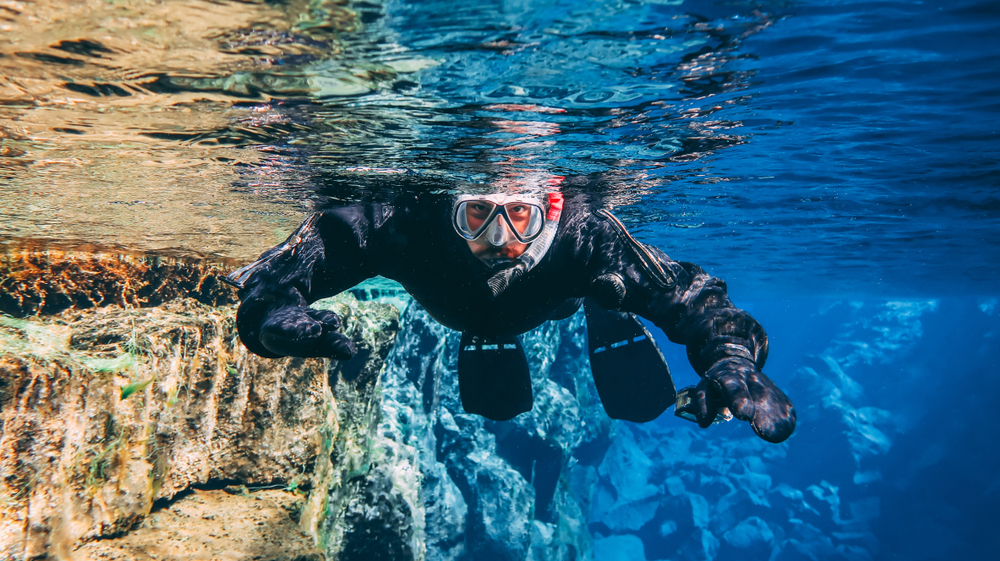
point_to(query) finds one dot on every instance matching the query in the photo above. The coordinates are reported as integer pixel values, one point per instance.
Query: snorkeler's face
(497, 228)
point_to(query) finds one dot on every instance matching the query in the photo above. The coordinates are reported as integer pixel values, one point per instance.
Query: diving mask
(497, 219)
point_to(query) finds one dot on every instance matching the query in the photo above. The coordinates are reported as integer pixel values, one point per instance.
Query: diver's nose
(498, 234)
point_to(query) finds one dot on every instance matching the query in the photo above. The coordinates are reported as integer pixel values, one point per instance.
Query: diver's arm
(725, 345)
(329, 253)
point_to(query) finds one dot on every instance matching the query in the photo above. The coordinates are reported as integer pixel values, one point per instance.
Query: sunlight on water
(116, 120)
(213, 127)
(761, 141)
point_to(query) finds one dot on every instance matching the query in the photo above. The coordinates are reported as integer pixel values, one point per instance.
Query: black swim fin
(493, 377)
(629, 371)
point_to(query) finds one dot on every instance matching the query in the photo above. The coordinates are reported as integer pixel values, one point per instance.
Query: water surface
(805, 147)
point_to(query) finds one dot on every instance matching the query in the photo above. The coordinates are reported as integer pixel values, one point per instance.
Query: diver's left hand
(750, 396)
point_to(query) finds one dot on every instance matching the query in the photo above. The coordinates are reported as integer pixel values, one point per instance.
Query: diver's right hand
(305, 332)
(736, 383)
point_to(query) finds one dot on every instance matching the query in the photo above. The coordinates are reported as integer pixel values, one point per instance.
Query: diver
(495, 266)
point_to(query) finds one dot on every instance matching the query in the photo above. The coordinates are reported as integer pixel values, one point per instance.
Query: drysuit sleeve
(329, 253)
(726, 346)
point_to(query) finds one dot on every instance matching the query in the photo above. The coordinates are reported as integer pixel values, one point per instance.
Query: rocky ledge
(112, 413)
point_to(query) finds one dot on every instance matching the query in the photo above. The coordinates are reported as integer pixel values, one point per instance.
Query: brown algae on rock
(214, 524)
(37, 279)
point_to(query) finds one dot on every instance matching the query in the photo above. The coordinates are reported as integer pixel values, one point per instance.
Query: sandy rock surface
(214, 525)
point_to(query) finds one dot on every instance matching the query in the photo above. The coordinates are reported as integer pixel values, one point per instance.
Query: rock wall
(106, 410)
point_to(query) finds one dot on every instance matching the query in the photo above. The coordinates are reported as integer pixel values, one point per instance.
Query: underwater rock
(751, 532)
(214, 524)
(628, 469)
(625, 547)
(107, 410)
(467, 488)
(499, 521)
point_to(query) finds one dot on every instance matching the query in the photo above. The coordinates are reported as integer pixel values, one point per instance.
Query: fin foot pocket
(493, 377)
(629, 371)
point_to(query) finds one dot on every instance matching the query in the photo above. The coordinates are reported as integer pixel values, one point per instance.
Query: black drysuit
(412, 241)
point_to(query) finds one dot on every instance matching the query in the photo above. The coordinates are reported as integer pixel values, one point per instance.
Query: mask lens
(524, 220)
(472, 217)
(477, 213)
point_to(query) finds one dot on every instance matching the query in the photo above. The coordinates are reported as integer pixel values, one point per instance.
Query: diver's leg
(493, 377)
(629, 371)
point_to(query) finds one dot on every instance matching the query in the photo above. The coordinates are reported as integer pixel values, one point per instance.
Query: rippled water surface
(809, 147)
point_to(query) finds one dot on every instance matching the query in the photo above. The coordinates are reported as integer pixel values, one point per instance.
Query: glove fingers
(331, 344)
(290, 324)
(329, 319)
(774, 417)
(335, 345)
(305, 332)
(735, 393)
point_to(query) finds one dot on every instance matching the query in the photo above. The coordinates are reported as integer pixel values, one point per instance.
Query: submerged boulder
(621, 547)
(748, 533)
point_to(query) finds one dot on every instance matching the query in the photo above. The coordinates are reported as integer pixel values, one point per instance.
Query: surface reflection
(97, 148)
(214, 127)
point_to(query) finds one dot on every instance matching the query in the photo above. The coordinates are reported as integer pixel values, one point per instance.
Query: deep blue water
(836, 162)
(890, 420)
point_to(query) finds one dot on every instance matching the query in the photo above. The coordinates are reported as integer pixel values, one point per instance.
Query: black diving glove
(750, 396)
(305, 332)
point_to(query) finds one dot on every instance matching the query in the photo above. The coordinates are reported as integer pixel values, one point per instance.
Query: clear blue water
(789, 147)
(836, 162)
(802, 147)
